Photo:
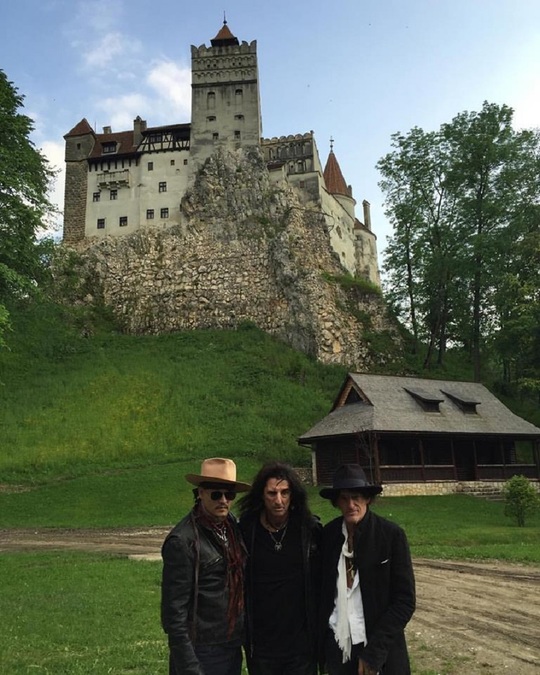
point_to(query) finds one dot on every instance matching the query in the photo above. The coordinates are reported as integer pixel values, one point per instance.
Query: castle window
(238, 117)
(163, 186)
(172, 162)
(108, 148)
(122, 221)
(237, 135)
(211, 118)
(185, 162)
(215, 136)
(101, 223)
(96, 196)
(150, 166)
(114, 195)
(211, 100)
(149, 214)
(238, 97)
(164, 213)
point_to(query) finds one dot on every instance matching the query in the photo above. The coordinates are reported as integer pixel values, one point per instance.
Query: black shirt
(278, 601)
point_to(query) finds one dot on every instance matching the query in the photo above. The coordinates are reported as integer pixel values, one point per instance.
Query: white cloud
(120, 111)
(172, 83)
(108, 51)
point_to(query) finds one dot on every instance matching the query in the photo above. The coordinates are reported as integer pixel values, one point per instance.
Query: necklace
(221, 532)
(278, 543)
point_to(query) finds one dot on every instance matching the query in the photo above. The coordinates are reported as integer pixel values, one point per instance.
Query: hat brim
(367, 490)
(196, 479)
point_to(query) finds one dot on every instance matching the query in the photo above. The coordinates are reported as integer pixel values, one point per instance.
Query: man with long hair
(282, 575)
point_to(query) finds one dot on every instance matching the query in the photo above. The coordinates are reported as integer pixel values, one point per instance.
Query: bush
(521, 499)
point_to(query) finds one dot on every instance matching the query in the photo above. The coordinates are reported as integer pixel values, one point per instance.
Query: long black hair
(253, 501)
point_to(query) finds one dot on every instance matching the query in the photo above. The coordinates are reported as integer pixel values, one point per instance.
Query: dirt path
(472, 618)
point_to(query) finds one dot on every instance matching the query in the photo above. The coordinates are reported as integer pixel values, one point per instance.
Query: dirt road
(474, 619)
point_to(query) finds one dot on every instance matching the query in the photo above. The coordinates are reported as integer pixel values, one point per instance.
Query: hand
(365, 669)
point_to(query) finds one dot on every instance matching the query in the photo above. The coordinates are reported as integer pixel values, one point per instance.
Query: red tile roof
(335, 183)
(80, 129)
(224, 37)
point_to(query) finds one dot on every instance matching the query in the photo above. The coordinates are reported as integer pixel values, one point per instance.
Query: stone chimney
(107, 130)
(367, 214)
(139, 125)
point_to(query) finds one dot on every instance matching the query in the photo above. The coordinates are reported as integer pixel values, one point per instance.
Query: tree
(463, 201)
(25, 177)
(521, 499)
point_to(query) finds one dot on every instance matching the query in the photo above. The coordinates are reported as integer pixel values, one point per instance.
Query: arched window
(211, 100)
(238, 97)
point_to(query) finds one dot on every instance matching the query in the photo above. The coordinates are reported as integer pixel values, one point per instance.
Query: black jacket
(311, 531)
(383, 561)
(194, 597)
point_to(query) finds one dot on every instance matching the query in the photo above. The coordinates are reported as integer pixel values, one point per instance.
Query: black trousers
(295, 665)
(334, 657)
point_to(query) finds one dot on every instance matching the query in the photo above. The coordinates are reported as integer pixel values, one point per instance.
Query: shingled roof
(415, 405)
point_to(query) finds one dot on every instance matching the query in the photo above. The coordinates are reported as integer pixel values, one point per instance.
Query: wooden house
(414, 430)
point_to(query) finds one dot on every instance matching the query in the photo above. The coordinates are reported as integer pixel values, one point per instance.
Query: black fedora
(350, 477)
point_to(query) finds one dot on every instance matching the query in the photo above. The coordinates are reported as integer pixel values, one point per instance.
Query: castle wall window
(163, 186)
(164, 213)
(114, 195)
(237, 135)
(149, 214)
(101, 223)
(185, 162)
(150, 166)
(215, 136)
(123, 221)
(96, 196)
(108, 148)
(211, 118)
(238, 117)
(172, 162)
(238, 97)
(211, 100)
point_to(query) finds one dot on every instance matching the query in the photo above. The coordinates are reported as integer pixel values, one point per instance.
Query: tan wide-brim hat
(218, 470)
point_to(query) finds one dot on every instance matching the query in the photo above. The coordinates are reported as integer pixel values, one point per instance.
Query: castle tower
(225, 104)
(79, 145)
(336, 185)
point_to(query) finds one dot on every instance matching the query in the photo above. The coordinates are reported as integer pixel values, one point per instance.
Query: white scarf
(342, 630)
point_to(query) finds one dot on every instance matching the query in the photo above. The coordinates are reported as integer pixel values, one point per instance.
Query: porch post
(422, 460)
(375, 451)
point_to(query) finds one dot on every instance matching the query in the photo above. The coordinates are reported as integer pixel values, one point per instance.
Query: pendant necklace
(282, 531)
(221, 532)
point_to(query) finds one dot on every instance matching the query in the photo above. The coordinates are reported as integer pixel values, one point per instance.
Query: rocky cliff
(247, 250)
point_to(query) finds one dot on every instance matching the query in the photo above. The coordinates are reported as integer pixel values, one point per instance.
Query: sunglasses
(216, 495)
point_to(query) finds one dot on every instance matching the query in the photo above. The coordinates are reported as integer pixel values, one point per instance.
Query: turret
(79, 144)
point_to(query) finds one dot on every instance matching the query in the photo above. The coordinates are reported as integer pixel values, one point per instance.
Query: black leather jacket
(194, 596)
(311, 532)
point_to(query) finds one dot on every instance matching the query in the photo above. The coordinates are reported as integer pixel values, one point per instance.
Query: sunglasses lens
(217, 494)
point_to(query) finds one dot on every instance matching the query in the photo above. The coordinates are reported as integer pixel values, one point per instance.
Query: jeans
(296, 665)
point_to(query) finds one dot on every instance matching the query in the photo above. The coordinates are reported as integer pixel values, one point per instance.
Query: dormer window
(466, 404)
(427, 401)
(108, 147)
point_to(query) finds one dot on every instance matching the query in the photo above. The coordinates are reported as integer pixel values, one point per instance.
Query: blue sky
(354, 70)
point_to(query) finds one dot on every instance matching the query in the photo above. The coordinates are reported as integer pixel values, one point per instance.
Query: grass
(100, 430)
(70, 406)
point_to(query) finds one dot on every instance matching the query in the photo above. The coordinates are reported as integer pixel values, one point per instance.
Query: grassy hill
(73, 403)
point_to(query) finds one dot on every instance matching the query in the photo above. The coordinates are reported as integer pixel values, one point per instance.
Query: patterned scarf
(235, 556)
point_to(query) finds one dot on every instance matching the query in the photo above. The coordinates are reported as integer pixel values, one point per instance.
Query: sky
(356, 71)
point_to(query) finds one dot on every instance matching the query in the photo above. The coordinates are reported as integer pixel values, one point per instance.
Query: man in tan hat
(202, 600)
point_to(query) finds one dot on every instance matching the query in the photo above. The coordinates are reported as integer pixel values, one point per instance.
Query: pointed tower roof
(80, 129)
(335, 183)
(224, 38)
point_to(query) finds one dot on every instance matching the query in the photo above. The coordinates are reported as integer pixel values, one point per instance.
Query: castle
(118, 183)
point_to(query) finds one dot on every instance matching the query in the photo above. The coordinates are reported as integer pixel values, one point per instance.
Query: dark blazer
(383, 561)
